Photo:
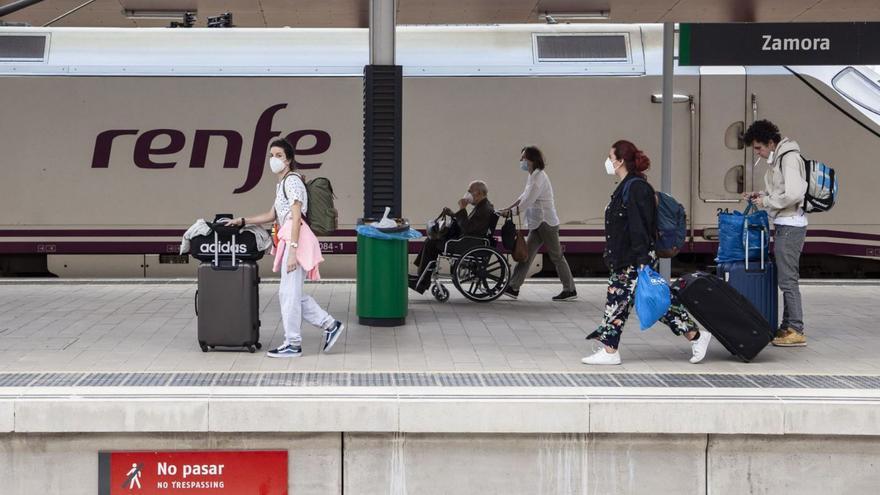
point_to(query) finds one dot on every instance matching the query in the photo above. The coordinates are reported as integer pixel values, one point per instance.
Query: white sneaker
(602, 357)
(700, 346)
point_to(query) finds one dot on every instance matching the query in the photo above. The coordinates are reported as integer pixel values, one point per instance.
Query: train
(113, 141)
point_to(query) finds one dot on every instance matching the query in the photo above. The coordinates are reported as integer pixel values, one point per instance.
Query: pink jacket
(308, 254)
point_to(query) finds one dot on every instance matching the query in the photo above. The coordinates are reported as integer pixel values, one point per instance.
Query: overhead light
(171, 15)
(557, 17)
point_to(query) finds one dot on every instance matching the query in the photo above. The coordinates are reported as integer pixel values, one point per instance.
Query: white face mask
(609, 166)
(277, 165)
(771, 156)
(469, 198)
(524, 165)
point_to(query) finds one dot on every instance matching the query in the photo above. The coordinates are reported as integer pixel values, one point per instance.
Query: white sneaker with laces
(602, 357)
(700, 346)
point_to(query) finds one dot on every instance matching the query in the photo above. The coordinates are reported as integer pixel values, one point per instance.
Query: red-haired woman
(630, 227)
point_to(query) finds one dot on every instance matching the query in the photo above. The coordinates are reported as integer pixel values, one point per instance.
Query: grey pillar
(666, 142)
(383, 115)
(383, 19)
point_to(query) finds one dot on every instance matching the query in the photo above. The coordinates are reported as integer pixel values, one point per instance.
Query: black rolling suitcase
(725, 313)
(228, 296)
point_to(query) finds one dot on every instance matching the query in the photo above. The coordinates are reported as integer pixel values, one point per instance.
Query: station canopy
(354, 13)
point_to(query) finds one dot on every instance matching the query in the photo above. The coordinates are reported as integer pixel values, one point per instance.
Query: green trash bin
(381, 281)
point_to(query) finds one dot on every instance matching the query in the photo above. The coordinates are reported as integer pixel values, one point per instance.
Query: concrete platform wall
(422, 463)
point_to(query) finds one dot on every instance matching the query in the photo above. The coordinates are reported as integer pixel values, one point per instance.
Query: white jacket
(785, 181)
(537, 201)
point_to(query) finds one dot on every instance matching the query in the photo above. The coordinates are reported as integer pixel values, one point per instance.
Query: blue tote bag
(652, 297)
(733, 235)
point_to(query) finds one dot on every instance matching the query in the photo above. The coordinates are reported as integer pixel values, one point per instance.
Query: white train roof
(422, 51)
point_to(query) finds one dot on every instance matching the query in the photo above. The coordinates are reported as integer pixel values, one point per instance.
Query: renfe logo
(225, 248)
(787, 44)
(144, 152)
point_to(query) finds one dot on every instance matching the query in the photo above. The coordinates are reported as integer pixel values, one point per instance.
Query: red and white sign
(255, 472)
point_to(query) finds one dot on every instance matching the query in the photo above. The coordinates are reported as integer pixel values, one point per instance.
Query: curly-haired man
(785, 186)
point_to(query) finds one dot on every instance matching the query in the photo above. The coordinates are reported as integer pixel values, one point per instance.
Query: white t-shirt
(799, 220)
(296, 191)
(537, 201)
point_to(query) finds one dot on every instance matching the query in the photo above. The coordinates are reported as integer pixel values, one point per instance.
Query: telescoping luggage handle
(763, 231)
(217, 251)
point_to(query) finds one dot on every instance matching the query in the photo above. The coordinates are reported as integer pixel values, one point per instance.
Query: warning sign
(261, 472)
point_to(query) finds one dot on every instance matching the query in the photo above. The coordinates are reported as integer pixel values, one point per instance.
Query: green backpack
(322, 217)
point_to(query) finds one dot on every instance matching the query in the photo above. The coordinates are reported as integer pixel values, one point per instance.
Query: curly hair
(762, 131)
(635, 160)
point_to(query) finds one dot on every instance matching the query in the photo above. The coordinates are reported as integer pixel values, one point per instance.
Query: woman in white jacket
(543, 225)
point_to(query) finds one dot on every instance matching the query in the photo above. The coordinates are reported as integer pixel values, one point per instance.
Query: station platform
(465, 398)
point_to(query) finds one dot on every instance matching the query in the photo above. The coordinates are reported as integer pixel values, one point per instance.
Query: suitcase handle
(196, 302)
(763, 232)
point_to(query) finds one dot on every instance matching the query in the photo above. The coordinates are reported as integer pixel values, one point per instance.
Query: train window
(604, 47)
(858, 88)
(23, 47)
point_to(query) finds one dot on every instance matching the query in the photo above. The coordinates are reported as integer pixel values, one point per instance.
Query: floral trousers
(619, 302)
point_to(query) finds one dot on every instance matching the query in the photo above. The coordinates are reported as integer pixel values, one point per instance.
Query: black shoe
(414, 285)
(511, 292)
(331, 335)
(566, 295)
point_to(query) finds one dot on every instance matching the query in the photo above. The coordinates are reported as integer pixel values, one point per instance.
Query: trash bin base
(382, 322)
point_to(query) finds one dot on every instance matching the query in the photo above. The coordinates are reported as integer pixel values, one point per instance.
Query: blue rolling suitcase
(755, 281)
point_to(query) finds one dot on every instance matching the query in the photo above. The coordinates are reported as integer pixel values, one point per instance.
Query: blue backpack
(822, 185)
(671, 222)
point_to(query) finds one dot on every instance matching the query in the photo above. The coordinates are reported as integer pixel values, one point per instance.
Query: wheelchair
(476, 268)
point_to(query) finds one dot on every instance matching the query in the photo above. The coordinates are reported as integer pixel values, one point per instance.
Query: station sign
(191, 472)
(792, 43)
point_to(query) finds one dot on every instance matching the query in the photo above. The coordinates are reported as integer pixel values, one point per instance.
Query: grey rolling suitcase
(228, 303)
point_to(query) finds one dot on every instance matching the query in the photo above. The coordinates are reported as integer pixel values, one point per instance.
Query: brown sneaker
(790, 338)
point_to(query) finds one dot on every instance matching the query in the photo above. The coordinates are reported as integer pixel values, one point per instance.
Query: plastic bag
(385, 222)
(371, 231)
(652, 297)
(733, 236)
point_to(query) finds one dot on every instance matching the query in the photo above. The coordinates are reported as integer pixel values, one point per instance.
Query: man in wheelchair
(474, 224)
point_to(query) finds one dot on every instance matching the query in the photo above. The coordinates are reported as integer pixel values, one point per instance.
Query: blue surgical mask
(524, 165)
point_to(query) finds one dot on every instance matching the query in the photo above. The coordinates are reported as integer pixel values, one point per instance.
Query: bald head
(479, 190)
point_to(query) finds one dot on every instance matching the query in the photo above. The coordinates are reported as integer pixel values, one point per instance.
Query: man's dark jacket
(477, 222)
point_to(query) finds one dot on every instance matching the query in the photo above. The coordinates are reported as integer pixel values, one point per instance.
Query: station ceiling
(354, 13)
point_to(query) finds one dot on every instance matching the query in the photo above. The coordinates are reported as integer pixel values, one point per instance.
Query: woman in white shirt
(292, 200)
(542, 223)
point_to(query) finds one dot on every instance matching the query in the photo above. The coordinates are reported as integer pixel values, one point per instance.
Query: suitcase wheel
(203, 346)
(252, 349)
(259, 345)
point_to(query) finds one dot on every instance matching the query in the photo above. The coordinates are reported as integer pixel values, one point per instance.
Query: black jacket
(476, 223)
(630, 227)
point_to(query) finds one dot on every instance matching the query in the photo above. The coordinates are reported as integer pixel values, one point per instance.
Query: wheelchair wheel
(481, 275)
(440, 293)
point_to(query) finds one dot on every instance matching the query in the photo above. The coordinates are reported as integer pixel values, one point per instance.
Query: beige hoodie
(785, 183)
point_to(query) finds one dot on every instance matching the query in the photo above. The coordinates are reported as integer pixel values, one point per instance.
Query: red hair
(634, 159)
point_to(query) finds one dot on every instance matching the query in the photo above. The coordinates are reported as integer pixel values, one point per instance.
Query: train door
(722, 158)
